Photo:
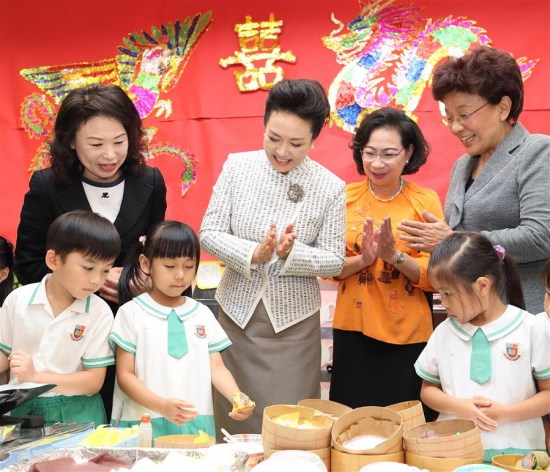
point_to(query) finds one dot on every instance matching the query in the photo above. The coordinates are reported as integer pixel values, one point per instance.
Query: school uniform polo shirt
(141, 328)
(74, 340)
(520, 351)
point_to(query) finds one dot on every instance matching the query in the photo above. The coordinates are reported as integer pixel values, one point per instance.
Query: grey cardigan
(509, 203)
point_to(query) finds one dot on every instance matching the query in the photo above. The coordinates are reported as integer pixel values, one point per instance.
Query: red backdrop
(211, 117)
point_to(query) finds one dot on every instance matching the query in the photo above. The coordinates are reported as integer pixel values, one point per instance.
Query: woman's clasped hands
(269, 244)
(377, 243)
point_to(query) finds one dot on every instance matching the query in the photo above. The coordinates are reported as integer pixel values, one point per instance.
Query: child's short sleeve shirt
(74, 340)
(520, 353)
(141, 328)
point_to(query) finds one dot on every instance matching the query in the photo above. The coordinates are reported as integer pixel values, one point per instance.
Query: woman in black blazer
(97, 164)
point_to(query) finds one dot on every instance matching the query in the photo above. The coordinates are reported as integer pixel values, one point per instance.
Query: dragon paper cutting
(388, 54)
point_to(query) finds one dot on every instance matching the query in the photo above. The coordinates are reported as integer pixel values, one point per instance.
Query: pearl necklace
(386, 200)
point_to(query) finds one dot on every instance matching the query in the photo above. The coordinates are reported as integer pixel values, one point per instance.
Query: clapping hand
(368, 253)
(386, 241)
(265, 249)
(286, 242)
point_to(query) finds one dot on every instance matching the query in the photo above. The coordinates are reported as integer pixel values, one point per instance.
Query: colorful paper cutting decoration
(388, 55)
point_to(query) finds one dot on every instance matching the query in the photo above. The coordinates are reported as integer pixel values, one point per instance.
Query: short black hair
(302, 97)
(84, 232)
(408, 130)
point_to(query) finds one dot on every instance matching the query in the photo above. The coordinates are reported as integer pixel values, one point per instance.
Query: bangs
(174, 240)
(446, 277)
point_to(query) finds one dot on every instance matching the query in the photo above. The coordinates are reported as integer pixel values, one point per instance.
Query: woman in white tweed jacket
(501, 188)
(276, 219)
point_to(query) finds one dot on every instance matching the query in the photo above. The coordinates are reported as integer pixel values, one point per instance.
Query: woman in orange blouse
(382, 318)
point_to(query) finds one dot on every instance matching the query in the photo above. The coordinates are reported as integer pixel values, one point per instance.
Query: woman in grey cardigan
(501, 187)
(276, 218)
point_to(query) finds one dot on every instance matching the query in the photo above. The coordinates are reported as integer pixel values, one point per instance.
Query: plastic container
(145, 431)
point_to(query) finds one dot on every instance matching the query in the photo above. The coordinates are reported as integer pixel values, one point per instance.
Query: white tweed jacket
(250, 195)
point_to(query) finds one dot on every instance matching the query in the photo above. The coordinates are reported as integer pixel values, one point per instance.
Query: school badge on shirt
(78, 333)
(512, 351)
(200, 331)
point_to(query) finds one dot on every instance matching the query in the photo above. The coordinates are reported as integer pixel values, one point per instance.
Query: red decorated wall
(210, 116)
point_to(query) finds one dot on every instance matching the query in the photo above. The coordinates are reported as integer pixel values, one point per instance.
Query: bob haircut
(408, 130)
(83, 104)
(487, 72)
(462, 257)
(170, 239)
(84, 232)
(302, 97)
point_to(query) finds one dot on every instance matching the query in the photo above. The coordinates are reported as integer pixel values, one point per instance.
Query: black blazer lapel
(137, 193)
(71, 197)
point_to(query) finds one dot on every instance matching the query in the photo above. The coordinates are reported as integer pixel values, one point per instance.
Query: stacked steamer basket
(293, 427)
(411, 412)
(328, 407)
(380, 426)
(443, 445)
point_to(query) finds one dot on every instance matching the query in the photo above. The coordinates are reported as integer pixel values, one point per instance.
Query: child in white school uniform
(489, 361)
(56, 331)
(167, 345)
(546, 316)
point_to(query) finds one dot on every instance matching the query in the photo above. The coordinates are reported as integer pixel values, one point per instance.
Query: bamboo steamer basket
(280, 437)
(457, 439)
(328, 407)
(439, 464)
(377, 420)
(411, 412)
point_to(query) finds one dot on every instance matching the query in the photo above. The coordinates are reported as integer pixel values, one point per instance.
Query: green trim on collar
(181, 316)
(31, 300)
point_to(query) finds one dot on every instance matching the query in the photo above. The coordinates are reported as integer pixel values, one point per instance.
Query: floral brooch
(295, 193)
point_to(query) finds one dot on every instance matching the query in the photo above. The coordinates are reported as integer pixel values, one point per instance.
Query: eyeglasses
(388, 156)
(460, 119)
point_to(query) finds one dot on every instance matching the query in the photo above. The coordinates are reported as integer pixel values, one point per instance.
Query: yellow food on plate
(202, 437)
(241, 402)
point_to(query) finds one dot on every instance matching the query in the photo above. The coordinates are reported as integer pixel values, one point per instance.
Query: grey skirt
(271, 368)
